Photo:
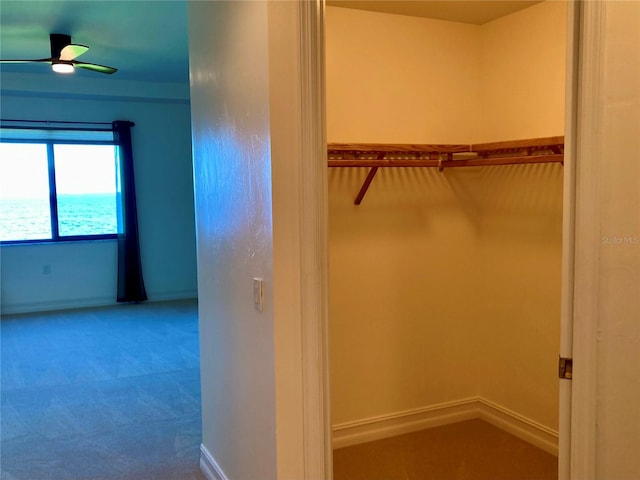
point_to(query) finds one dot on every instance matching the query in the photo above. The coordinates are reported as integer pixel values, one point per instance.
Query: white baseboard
(376, 428)
(209, 466)
(173, 295)
(47, 306)
(73, 304)
(519, 426)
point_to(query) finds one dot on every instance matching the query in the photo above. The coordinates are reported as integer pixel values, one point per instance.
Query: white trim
(314, 255)
(98, 89)
(53, 305)
(93, 302)
(209, 466)
(568, 235)
(384, 426)
(173, 295)
(588, 152)
(519, 426)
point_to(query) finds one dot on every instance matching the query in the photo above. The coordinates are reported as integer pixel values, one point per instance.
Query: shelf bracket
(557, 150)
(365, 185)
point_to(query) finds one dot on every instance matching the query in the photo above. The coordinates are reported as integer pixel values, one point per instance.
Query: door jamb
(584, 197)
(314, 254)
(568, 235)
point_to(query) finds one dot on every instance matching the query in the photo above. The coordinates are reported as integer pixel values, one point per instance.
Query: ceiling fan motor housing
(58, 42)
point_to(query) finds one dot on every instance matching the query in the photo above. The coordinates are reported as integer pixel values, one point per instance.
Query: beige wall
(443, 286)
(518, 260)
(402, 306)
(618, 407)
(522, 73)
(260, 370)
(606, 406)
(393, 78)
(519, 249)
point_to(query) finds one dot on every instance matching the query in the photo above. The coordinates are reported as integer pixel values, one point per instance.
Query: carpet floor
(101, 394)
(114, 393)
(470, 450)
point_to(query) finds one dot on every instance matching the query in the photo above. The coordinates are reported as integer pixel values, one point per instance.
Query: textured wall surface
(232, 171)
(618, 219)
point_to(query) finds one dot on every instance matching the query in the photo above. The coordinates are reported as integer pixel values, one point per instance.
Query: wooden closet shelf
(395, 148)
(376, 155)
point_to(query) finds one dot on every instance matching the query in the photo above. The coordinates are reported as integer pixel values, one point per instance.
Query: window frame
(53, 198)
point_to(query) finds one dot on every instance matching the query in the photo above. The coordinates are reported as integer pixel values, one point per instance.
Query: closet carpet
(470, 450)
(101, 394)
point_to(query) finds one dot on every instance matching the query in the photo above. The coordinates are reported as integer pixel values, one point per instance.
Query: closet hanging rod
(442, 164)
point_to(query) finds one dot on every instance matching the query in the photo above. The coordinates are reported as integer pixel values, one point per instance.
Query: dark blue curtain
(130, 281)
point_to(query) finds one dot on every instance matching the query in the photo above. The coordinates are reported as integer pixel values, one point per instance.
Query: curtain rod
(63, 122)
(53, 121)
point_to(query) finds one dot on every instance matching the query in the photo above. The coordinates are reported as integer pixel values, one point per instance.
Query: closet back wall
(444, 286)
(519, 250)
(394, 78)
(400, 277)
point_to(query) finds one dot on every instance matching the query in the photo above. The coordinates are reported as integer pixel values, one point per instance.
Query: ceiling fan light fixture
(62, 67)
(63, 57)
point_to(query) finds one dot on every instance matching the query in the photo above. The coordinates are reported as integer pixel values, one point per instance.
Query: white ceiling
(144, 40)
(147, 40)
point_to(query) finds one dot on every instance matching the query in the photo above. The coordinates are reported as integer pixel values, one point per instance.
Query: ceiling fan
(63, 56)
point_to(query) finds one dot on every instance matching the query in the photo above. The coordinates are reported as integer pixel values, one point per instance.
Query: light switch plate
(258, 294)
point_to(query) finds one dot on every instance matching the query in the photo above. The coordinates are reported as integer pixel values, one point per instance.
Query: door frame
(568, 236)
(313, 234)
(582, 246)
(577, 430)
(314, 224)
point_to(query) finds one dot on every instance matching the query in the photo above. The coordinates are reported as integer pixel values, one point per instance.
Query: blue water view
(78, 214)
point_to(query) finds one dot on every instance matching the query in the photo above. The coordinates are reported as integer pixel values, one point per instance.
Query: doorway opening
(445, 286)
(91, 389)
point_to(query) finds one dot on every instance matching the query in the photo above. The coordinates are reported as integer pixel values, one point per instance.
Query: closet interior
(444, 282)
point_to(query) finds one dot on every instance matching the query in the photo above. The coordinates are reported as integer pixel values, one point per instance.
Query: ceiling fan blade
(94, 67)
(63, 54)
(39, 60)
(72, 51)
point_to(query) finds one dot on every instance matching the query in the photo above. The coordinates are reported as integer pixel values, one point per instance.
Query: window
(57, 185)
